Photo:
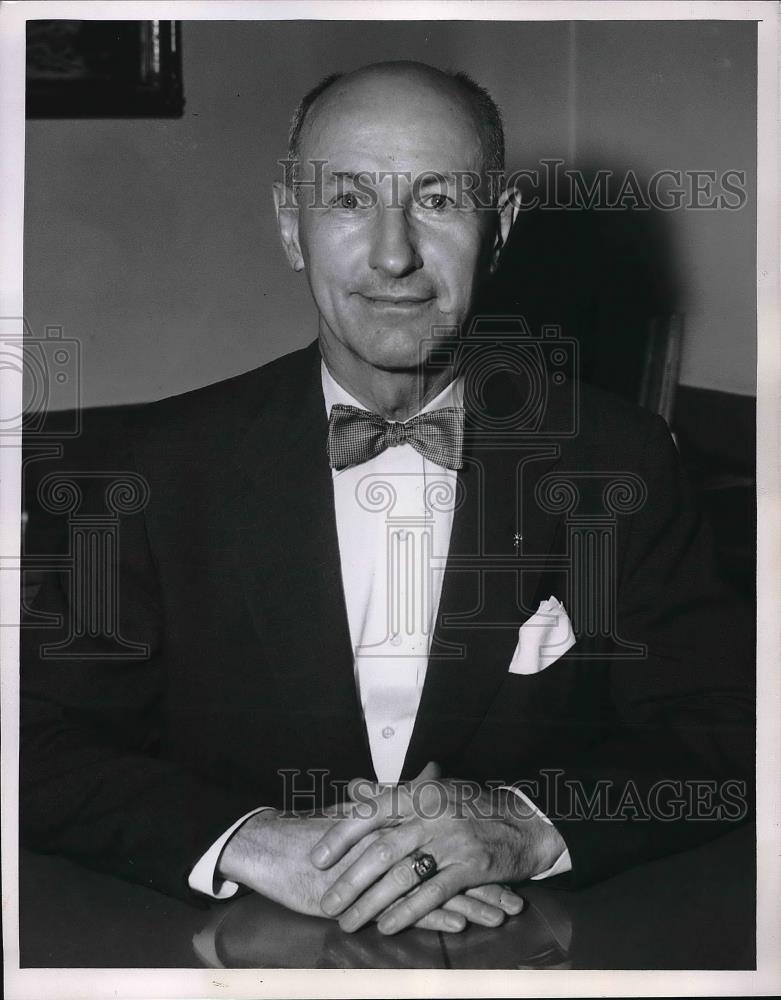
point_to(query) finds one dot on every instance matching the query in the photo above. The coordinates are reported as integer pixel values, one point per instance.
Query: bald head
(416, 89)
(386, 213)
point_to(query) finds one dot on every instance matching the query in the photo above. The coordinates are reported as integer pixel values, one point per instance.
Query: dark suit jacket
(231, 577)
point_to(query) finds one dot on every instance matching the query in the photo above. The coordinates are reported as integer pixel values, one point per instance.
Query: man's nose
(394, 249)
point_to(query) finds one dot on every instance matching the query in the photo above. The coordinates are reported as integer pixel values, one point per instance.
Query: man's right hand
(270, 855)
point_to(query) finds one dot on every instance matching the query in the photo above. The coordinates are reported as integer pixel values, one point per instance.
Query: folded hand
(270, 854)
(473, 840)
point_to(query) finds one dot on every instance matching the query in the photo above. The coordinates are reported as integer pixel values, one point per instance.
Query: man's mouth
(400, 302)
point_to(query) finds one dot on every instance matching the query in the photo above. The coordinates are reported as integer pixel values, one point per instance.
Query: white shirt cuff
(563, 863)
(203, 877)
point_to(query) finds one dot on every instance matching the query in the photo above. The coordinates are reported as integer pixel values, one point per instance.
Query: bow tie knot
(396, 433)
(355, 435)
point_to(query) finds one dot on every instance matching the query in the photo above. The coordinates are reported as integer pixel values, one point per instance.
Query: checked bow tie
(355, 436)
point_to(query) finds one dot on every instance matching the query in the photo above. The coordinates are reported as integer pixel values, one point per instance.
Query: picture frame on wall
(104, 69)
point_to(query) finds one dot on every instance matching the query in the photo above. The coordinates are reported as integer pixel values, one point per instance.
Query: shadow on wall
(600, 274)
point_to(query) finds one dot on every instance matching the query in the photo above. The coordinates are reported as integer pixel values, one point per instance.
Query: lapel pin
(517, 539)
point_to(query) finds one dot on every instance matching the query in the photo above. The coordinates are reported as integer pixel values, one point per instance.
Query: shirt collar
(333, 393)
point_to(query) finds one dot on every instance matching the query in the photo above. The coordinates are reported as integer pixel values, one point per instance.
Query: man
(293, 638)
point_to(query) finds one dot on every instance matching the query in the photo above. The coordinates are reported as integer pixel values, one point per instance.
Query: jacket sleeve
(93, 785)
(676, 767)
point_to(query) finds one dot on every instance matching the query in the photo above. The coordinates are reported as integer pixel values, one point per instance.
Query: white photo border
(35, 984)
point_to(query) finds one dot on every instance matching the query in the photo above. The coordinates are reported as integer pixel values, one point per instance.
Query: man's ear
(287, 221)
(507, 212)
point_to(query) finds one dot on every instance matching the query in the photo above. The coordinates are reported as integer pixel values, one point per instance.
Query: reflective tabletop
(693, 910)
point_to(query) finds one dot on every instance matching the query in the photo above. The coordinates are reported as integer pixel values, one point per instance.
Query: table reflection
(255, 933)
(693, 910)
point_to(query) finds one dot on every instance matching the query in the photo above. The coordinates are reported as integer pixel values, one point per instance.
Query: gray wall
(153, 242)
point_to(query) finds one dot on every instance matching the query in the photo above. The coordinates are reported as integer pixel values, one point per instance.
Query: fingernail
(350, 920)
(491, 916)
(331, 902)
(387, 926)
(453, 923)
(511, 901)
(320, 854)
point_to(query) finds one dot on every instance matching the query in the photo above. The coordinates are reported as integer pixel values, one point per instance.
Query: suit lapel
(485, 598)
(288, 554)
(288, 558)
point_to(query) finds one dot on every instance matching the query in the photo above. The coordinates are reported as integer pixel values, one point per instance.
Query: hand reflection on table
(253, 932)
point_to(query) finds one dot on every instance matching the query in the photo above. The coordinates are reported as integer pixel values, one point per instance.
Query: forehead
(393, 122)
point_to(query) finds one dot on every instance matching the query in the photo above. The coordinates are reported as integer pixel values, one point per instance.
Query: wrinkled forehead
(394, 121)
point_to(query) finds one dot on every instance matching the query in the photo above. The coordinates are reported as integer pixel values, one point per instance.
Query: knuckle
(346, 883)
(383, 852)
(476, 855)
(342, 889)
(464, 840)
(482, 860)
(403, 876)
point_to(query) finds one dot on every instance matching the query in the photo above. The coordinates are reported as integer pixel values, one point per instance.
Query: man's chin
(395, 351)
(392, 348)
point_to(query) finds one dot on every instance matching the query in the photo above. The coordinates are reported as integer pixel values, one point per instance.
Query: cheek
(332, 258)
(455, 264)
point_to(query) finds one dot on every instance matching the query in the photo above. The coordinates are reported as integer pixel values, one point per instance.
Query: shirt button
(388, 731)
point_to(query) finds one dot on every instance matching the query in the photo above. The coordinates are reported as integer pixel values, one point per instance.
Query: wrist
(550, 846)
(540, 843)
(247, 845)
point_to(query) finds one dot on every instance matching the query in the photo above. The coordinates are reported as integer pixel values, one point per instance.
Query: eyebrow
(441, 175)
(349, 175)
(446, 176)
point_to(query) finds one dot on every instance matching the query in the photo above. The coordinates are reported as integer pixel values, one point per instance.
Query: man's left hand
(475, 838)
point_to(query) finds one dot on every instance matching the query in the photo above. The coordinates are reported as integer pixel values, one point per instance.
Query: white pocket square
(542, 639)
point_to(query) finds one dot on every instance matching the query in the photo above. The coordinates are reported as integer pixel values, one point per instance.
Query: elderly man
(352, 564)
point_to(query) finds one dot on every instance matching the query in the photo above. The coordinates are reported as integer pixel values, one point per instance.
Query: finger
(355, 888)
(475, 911)
(347, 809)
(369, 814)
(339, 810)
(499, 895)
(358, 788)
(441, 920)
(431, 895)
(430, 772)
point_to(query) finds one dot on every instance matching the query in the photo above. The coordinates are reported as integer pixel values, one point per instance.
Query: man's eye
(350, 200)
(436, 202)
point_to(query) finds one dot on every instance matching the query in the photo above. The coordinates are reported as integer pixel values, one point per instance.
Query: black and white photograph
(390, 415)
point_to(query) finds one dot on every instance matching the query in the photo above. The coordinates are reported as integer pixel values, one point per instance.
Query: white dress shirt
(394, 516)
